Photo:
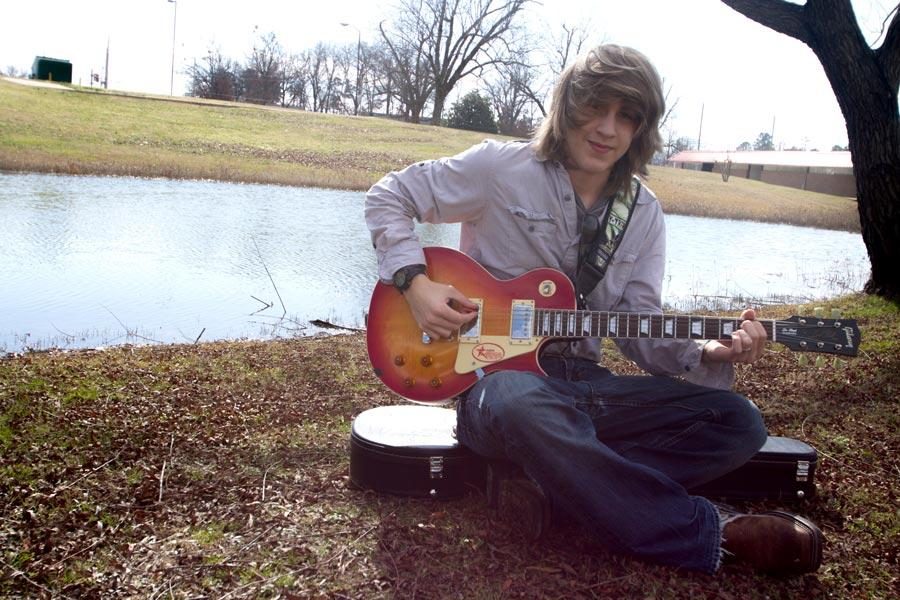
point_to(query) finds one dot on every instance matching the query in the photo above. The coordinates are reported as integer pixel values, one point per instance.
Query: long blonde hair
(605, 73)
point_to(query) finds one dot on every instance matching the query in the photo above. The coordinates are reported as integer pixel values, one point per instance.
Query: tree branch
(888, 55)
(778, 15)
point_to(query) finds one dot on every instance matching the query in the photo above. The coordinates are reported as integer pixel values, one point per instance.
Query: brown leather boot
(776, 542)
(523, 505)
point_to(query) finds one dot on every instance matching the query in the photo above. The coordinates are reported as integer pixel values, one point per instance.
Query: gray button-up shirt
(518, 213)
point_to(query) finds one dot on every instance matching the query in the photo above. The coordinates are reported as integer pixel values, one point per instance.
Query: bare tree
(345, 83)
(556, 53)
(453, 38)
(263, 73)
(508, 94)
(358, 89)
(321, 77)
(295, 81)
(865, 82)
(568, 45)
(408, 66)
(12, 71)
(670, 106)
(368, 71)
(382, 88)
(214, 77)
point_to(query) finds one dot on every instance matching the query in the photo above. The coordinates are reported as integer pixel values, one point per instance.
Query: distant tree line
(419, 59)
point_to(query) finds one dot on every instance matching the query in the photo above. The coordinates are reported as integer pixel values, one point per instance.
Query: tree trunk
(865, 84)
(440, 101)
(877, 172)
(868, 102)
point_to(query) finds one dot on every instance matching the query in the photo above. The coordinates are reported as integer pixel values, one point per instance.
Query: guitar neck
(626, 325)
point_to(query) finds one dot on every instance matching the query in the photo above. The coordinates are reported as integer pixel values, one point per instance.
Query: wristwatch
(403, 277)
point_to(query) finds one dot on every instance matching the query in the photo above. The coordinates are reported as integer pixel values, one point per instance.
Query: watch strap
(404, 276)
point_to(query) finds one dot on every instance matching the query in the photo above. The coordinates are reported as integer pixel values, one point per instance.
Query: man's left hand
(747, 343)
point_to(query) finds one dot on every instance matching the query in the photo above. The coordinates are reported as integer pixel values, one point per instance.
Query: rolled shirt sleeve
(447, 190)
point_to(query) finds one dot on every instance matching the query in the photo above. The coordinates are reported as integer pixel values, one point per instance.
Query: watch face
(400, 279)
(403, 277)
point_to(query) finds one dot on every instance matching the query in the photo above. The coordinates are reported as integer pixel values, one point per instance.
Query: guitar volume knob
(399, 360)
(436, 382)
(427, 360)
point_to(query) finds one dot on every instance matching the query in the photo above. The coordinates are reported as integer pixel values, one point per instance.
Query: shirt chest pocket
(533, 222)
(619, 274)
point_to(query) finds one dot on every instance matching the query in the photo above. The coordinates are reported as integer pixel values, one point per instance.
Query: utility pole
(174, 22)
(106, 68)
(700, 133)
(358, 64)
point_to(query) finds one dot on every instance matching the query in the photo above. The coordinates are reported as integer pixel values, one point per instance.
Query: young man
(615, 453)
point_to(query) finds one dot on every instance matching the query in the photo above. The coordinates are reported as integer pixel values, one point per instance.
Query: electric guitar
(516, 317)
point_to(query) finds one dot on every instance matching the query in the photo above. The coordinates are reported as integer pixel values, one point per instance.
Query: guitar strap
(594, 257)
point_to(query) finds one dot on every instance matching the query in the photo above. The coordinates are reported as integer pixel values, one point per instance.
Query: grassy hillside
(84, 131)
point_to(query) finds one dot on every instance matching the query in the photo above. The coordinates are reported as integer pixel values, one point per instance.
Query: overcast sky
(740, 75)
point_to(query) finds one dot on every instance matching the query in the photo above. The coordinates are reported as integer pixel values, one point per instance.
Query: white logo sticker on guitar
(488, 353)
(547, 288)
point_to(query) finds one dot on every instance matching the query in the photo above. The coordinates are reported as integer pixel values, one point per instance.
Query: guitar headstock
(815, 334)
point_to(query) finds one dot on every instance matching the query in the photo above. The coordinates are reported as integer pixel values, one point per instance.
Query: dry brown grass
(220, 470)
(687, 192)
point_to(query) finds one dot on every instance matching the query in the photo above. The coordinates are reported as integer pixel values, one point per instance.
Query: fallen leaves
(221, 470)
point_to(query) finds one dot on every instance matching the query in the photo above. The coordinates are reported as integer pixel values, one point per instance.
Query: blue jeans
(616, 452)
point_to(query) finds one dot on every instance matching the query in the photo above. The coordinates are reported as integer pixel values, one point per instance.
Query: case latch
(436, 467)
(802, 470)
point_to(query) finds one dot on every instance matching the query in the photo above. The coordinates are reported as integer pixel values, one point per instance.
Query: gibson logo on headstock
(788, 331)
(848, 331)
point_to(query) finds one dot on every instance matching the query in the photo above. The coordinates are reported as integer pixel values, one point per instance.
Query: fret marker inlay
(696, 328)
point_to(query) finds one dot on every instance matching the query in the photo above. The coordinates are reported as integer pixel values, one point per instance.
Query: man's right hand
(438, 308)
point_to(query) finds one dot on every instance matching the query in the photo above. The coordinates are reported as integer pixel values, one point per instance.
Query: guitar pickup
(521, 326)
(471, 332)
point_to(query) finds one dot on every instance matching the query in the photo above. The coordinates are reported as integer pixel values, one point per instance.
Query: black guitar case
(411, 450)
(783, 469)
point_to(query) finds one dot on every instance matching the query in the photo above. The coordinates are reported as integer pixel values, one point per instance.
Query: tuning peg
(820, 361)
(835, 313)
(802, 360)
(819, 312)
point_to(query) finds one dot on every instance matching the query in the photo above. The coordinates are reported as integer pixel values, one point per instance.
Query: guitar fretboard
(584, 323)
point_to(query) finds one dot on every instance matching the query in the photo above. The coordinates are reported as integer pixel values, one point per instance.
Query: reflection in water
(89, 261)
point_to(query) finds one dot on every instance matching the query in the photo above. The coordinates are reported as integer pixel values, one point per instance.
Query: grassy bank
(92, 132)
(220, 470)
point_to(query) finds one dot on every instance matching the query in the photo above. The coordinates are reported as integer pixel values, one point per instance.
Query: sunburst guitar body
(517, 316)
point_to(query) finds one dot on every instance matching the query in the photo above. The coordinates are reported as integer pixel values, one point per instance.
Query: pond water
(93, 261)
